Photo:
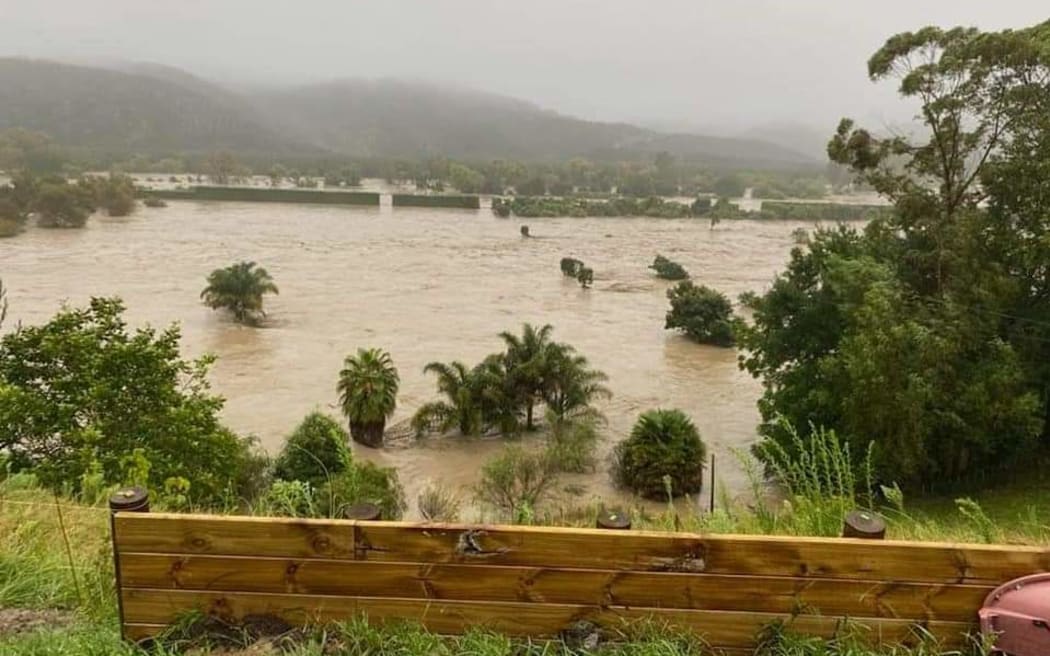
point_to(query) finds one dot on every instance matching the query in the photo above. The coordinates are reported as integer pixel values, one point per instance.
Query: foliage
(668, 269)
(116, 195)
(703, 314)
(363, 482)
(315, 451)
(367, 387)
(502, 392)
(927, 332)
(438, 503)
(288, 498)
(62, 205)
(149, 201)
(81, 391)
(572, 441)
(663, 455)
(570, 266)
(585, 276)
(516, 482)
(239, 288)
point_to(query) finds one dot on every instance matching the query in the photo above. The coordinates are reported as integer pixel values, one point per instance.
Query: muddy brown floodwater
(425, 285)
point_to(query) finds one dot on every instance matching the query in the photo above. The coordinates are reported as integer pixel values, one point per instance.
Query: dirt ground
(20, 620)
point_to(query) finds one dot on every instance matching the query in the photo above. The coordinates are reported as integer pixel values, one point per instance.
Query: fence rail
(540, 581)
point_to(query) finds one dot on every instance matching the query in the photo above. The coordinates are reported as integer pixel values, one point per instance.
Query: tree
(83, 393)
(221, 168)
(116, 195)
(526, 364)
(239, 288)
(465, 179)
(570, 266)
(729, 186)
(470, 395)
(314, 453)
(367, 388)
(668, 269)
(570, 386)
(585, 276)
(61, 205)
(924, 336)
(703, 314)
(663, 456)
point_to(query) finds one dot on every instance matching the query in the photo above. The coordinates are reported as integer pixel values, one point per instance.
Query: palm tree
(526, 365)
(456, 381)
(239, 288)
(664, 450)
(367, 390)
(571, 385)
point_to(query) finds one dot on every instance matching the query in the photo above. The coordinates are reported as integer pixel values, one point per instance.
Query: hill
(117, 112)
(134, 108)
(396, 118)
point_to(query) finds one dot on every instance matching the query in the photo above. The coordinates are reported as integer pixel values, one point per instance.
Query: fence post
(863, 524)
(615, 519)
(129, 499)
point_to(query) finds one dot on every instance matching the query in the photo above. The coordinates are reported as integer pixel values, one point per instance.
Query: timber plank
(579, 548)
(719, 628)
(263, 536)
(917, 601)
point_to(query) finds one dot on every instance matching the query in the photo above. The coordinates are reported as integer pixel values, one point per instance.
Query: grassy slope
(35, 574)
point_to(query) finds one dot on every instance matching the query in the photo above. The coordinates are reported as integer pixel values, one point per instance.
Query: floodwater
(425, 285)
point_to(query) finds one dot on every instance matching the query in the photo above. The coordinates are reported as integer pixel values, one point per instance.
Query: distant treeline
(546, 206)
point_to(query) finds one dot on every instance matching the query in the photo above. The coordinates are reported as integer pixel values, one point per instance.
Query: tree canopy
(927, 332)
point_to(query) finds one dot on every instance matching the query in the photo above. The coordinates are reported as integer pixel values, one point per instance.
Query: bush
(703, 314)
(153, 202)
(363, 482)
(9, 227)
(315, 452)
(572, 441)
(570, 266)
(82, 392)
(664, 444)
(288, 499)
(585, 276)
(515, 482)
(438, 503)
(668, 269)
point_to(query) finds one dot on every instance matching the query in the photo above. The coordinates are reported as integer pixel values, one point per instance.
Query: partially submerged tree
(239, 288)
(703, 314)
(663, 455)
(367, 388)
(668, 269)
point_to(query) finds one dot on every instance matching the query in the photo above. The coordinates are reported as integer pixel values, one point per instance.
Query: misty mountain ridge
(126, 108)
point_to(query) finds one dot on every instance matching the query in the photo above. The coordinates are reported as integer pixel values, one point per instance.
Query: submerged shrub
(572, 441)
(668, 269)
(516, 481)
(663, 443)
(703, 314)
(438, 503)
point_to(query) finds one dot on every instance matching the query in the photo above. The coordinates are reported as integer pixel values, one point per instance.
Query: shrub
(703, 314)
(363, 482)
(154, 202)
(585, 276)
(663, 443)
(288, 499)
(438, 503)
(9, 227)
(571, 442)
(570, 266)
(315, 452)
(515, 482)
(83, 389)
(668, 269)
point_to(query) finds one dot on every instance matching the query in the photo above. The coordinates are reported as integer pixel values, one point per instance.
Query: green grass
(38, 572)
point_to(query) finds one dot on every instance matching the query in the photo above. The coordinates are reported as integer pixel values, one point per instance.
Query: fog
(717, 66)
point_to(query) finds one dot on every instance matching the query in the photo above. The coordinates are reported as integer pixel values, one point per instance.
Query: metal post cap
(614, 519)
(863, 524)
(129, 499)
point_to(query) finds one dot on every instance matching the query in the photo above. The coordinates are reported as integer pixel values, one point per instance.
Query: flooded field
(425, 285)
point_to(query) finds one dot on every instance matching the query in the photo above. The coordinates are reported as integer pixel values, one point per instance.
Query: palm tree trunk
(370, 434)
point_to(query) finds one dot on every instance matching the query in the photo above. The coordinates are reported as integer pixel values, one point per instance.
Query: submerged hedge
(418, 200)
(257, 195)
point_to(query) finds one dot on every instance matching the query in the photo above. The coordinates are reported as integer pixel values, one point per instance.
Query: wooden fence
(540, 581)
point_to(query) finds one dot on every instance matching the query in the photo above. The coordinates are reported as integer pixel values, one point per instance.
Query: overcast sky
(724, 63)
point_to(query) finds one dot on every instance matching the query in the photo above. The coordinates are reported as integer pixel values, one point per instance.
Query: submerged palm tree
(367, 389)
(239, 288)
(526, 363)
(571, 385)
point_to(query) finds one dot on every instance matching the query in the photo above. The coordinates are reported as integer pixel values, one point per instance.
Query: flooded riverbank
(425, 285)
